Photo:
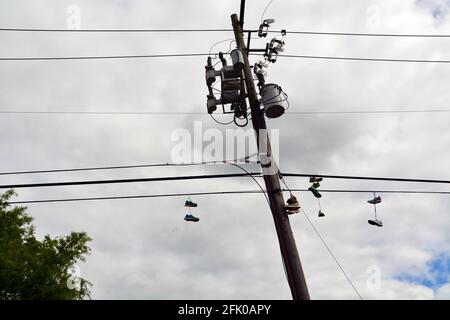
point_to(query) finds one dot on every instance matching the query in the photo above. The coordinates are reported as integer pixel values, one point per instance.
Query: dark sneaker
(321, 214)
(292, 199)
(316, 185)
(190, 204)
(191, 218)
(315, 179)
(376, 222)
(375, 200)
(293, 206)
(315, 192)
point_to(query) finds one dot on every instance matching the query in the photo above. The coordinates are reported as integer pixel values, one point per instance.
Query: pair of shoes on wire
(293, 206)
(190, 217)
(315, 184)
(374, 201)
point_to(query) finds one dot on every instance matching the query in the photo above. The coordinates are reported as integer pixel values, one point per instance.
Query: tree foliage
(38, 269)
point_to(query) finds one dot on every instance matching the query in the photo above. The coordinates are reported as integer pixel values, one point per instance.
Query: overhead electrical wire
(222, 193)
(361, 59)
(363, 34)
(102, 112)
(207, 54)
(367, 178)
(370, 111)
(138, 196)
(372, 191)
(181, 30)
(114, 30)
(316, 112)
(116, 181)
(115, 167)
(169, 55)
(301, 175)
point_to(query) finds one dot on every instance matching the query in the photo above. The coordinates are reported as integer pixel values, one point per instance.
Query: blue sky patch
(436, 275)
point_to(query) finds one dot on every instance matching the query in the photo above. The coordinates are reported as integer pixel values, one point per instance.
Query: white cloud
(443, 293)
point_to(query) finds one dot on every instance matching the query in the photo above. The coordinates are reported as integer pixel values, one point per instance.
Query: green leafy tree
(33, 269)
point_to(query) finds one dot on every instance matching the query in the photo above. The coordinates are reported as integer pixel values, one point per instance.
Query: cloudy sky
(142, 249)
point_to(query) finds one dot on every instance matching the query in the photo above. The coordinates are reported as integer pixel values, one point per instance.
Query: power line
(115, 181)
(331, 253)
(377, 191)
(370, 111)
(92, 182)
(177, 55)
(317, 112)
(138, 196)
(222, 193)
(366, 178)
(359, 34)
(206, 54)
(228, 162)
(362, 59)
(362, 34)
(107, 168)
(113, 30)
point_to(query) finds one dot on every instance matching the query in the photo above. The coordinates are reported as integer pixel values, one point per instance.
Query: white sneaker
(376, 222)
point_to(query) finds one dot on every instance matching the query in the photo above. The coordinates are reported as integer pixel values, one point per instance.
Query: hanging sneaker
(321, 214)
(292, 199)
(315, 179)
(376, 222)
(290, 209)
(316, 185)
(315, 192)
(191, 218)
(190, 204)
(293, 206)
(375, 200)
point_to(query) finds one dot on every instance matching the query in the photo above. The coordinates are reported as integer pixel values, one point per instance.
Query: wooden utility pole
(291, 259)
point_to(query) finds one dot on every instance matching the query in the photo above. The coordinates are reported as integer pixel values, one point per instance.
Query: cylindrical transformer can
(272, 98)
(238, 59)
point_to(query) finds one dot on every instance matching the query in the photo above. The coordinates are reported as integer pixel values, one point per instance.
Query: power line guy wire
(332, 254)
